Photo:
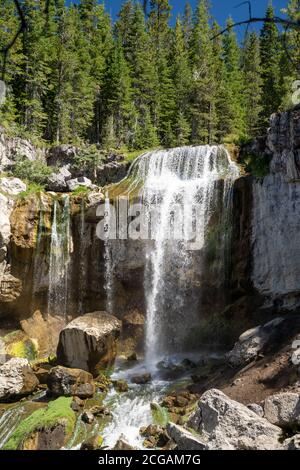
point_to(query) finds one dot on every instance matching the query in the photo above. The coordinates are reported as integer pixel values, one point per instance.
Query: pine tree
(73, 84)
(181, 75)
(234, 79)
(118, 93)
(252, 84)
(270, 56)
(187, 24)
(8, 26)
(203, 96)
(34, 74)
(222, 107)
(290, 60)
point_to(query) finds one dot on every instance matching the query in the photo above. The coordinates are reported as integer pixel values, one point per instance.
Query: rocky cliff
(264, 262)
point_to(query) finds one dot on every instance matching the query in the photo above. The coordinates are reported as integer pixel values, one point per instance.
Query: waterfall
(60, 250)
(109, 282)
(185, 195)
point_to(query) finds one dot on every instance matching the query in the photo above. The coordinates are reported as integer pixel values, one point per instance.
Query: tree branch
(276, 19)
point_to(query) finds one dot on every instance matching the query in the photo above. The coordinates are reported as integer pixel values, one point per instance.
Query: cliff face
(265, 250)
(276, 216)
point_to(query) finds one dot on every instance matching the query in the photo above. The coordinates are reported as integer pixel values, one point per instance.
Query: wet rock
(89, 342)
(141, 379)
(120, 385)
(98, 410)
(48, 428)
(44, 331)
(17, 379)
(77, 404)
(184, 439)
(227, 424)
(283, 409)
(122, 444)
(132, 357)
(257, 409)
(87, 417)
(93, 443)
(70, 382)
(156, 436)
(252, 342)
(10, 288)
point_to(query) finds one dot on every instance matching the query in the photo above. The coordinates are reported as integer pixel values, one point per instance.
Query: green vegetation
(18, 345)
(35, 172)
(74, 77)
(57, 411)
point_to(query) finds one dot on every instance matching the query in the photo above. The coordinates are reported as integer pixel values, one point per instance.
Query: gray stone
(276, 216)
(17, 379)
(63, 381)
(184, 439)
(292, 444)
(58, 181)
(283, 409)
(227, 425)
(257, 409)
(122, 444)
(12, 186)
(89, 342)
(78, 182)
(252, 342)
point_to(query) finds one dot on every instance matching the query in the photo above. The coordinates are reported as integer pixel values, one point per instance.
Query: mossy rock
(45, 429)
(18, 344)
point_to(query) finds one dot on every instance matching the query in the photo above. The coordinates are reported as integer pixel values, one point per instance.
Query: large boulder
(89, 342)
(184, 439)
(57, 181)
(225, 424)
(12, 186)
(17, 379)
(70, 382)
(283, 409)
(252, 342)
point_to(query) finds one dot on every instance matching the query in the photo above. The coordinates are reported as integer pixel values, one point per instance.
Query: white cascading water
(197, 182)
(61, 245)
(109, 284)
(182, 185)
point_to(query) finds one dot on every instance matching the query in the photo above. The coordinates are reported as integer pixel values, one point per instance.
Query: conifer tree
(234, 79)
(252, 84)
(181, 74)
(270, 56)
(203, 97)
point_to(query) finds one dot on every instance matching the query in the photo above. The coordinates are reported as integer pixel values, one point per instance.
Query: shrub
(32, 171)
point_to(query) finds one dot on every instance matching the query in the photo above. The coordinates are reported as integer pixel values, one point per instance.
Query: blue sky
(221, 9)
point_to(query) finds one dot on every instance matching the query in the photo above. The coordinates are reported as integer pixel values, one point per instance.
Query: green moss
(57, 411)
(160, 414)
(18, 345)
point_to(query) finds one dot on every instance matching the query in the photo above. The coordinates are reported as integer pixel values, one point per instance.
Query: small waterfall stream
(61, 246)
